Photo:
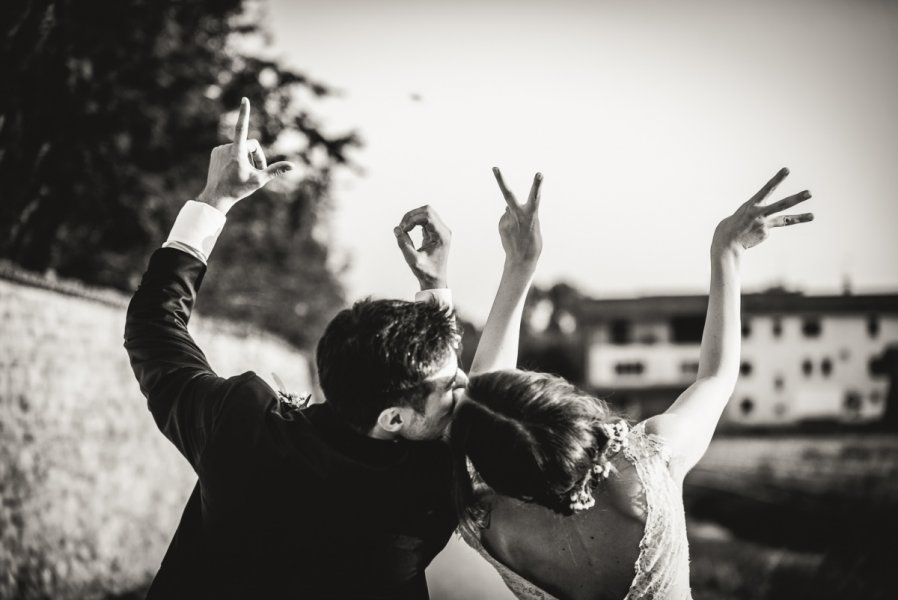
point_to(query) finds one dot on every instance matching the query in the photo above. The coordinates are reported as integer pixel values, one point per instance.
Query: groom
(345, 499)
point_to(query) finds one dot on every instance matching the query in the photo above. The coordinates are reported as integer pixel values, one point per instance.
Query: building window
(629, 368)
(811, 327)
(807, 367)
(620, 331)
(777, 327)
(873, 326)
(687, 329)
(778, 383)
(745, 368)
(746, 406)
(746, 328)
(779, 409)
(567, 323)
(826, 367)
(647, 338)
(690, 367)
(853, 403)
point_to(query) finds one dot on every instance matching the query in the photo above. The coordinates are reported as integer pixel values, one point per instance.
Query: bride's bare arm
(689, 423)
(522, 242)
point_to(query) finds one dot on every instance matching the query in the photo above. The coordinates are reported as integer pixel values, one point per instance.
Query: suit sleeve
(183, 393)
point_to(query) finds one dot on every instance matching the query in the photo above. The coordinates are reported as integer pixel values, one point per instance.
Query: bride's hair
(531, 436)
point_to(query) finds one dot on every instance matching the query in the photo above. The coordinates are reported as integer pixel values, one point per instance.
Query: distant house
(803, 357)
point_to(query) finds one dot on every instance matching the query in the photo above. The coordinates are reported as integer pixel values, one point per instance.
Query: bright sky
(650, 120)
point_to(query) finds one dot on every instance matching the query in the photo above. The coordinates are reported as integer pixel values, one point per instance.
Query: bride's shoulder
(653, 445)
(653, 436)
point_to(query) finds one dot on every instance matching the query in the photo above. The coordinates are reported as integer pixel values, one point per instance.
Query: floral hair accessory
(581, 498)
(617, 437)
(294, 401)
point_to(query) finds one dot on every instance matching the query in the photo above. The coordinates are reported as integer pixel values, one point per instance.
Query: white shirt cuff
(197, 227)
(441, 296)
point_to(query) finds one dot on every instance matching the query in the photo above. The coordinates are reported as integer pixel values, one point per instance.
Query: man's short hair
(376, 354)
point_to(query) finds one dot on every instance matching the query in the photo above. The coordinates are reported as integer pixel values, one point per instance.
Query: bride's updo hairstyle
(531, 436)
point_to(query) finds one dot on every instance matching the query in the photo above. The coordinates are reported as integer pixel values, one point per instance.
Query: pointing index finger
(241, 131)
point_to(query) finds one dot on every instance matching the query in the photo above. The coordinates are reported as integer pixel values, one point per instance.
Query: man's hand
(519, 226)
(749, 225)
(429, 263)
(239, 169)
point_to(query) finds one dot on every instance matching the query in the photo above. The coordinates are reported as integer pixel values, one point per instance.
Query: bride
(557, 492)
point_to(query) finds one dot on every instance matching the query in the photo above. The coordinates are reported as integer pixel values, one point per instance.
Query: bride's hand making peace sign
(519, 227)
(523, 243)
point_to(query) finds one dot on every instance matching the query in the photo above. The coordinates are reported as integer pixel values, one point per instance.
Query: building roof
(771, 302)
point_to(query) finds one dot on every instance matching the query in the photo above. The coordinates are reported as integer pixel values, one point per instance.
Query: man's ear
(391, 420)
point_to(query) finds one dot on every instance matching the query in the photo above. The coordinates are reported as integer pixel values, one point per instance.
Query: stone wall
(860, 468)
(832, 495)
(90, 491)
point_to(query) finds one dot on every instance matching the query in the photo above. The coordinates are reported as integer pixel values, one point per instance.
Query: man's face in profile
(446, 385)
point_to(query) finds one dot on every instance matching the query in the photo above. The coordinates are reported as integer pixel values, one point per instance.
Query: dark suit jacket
(289, 503)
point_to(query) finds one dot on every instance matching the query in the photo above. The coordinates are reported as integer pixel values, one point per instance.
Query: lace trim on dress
(663, 561)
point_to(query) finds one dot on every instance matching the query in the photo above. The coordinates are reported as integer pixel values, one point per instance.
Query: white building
(803, 357)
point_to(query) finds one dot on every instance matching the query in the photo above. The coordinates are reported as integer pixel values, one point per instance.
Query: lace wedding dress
(662, 568)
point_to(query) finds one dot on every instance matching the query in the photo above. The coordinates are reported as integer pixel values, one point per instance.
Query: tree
(555, 343)
(111, 109)
(887, 364)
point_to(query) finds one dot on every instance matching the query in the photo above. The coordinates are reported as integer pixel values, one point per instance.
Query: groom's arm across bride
(553, 488)
(346, 499)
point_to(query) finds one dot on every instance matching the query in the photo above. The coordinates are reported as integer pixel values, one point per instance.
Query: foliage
(106, 124)
(552, 343)
(555, 342)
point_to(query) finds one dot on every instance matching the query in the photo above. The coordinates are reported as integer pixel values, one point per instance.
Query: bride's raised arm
(522, 242)
(689, 423)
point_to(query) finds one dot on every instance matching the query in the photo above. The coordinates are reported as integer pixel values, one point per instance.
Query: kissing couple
(353, 497)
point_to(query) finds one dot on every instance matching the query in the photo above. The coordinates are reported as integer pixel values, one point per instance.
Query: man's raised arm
(184, 395)
(429, 263)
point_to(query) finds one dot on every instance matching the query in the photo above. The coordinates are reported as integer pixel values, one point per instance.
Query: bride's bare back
(591, 554)
(631, 544)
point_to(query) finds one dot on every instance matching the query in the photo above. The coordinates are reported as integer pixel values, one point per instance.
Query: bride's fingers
(506, 193)
(785, 220)
(769, 186)
(785, 203)
(534, 192)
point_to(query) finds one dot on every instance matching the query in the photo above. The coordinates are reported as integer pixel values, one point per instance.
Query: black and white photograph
(449, 300)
